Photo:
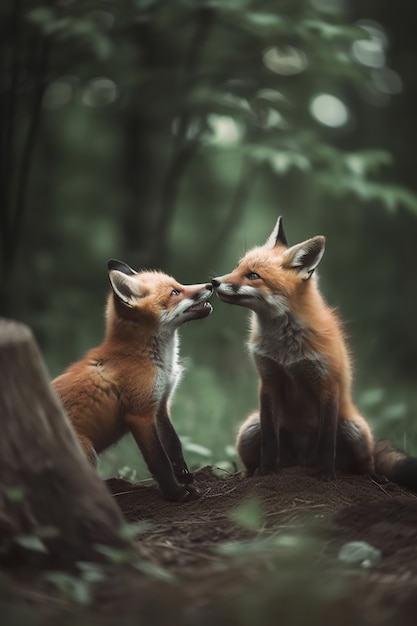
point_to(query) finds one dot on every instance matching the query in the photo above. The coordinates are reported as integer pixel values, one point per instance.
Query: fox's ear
(114, 264)
(305, 256)
(120, 276)
(277, 237)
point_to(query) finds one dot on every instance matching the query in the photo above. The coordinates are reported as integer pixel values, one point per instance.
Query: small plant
(128, 473)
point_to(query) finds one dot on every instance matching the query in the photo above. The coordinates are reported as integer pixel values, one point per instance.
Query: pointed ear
(123, 287)
(305, 256)
(277, 237)
(114, 264)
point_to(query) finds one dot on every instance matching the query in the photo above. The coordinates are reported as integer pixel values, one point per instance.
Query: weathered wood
(40, 454)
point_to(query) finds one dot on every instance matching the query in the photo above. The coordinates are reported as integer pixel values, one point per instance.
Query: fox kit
(126, 383)
(306, 414)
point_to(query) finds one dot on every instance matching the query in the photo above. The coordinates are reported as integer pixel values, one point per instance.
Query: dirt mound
(284, 569)
(184, 538)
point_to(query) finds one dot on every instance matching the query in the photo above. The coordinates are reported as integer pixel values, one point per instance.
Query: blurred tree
(25, 57)
(149, 129)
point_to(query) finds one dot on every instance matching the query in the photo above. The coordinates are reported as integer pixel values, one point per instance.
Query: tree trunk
(45, 479)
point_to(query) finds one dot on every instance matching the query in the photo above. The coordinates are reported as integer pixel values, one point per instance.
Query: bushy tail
(395, 465)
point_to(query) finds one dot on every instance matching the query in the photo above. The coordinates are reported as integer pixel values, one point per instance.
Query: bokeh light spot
(99, 92)
(329, 110)
(285, 60)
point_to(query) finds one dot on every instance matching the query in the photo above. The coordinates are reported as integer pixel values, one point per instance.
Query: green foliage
(248, 515)
(172, 135)
(72, 588)
(359, 553)
(14, 494)
(31, 542)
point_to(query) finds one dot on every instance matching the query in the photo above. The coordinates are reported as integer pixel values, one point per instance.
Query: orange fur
(126, 383)
(306, 413)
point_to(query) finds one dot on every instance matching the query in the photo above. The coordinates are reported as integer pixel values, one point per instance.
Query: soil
(274, 563)
(280, 583)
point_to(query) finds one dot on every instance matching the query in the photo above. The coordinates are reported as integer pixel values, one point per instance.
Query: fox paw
(264, 471)
(184, 494)
(184, 476)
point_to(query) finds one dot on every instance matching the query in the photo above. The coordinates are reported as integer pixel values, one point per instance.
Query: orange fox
(306, 414)
(126, 383)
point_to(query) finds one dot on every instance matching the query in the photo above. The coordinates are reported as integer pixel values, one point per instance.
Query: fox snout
(200, 307)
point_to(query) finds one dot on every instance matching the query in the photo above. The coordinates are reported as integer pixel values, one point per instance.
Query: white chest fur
(283, 339)
(165, 355)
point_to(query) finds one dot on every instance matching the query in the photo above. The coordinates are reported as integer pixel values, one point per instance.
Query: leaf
(372, 397)
(395, 411)
(230, 450)
(31, 542)
(78, 590)
(129, 531)
(102, 46)
(15, 494)
(150, 569)
(391, 196)
(46, 532)
(359, 553)
(41, 15)
(113, 555)
(198, 449)
(244, 548)
(368, 161)
(333, 31)
(91, 572)
(280, 161)
(248, 515)
(262, 23)
(220, 102)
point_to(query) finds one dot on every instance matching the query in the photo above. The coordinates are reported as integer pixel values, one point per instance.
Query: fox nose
(209, 286)
(215, 283)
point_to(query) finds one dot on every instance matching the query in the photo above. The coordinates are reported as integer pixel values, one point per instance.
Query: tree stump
(45, 479)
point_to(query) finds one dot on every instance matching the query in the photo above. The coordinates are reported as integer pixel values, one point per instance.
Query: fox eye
(252, 276)
(175, 292)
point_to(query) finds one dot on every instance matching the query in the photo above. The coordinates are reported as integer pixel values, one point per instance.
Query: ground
(301, 524)
(260, 550)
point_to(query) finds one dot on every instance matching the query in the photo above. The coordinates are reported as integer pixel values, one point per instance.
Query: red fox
(306, 415)
(126, 383)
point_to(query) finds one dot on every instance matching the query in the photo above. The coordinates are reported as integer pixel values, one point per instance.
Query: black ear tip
(114, 264)
(281, 236)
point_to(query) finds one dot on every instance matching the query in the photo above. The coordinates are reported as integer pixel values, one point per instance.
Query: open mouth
(200, 306)
(200, 309)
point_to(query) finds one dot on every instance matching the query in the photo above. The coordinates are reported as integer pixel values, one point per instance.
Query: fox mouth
(232, 298)
(200, 309)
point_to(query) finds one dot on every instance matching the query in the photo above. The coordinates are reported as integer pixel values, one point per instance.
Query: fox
(126, 384)
(306, 413)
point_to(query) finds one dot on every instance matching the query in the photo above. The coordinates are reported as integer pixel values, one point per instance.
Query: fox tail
(396, 465)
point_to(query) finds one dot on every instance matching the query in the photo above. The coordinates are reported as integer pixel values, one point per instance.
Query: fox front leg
(146, 436)
(269, 463)
(326, 449)
(173, 447)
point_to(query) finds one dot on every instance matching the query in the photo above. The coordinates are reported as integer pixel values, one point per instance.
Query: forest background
(171, 135)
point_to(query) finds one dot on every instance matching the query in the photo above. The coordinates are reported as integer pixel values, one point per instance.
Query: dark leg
(173, 448)
(355, 451)
(147, 438)
(326, 449)
(269, 435)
